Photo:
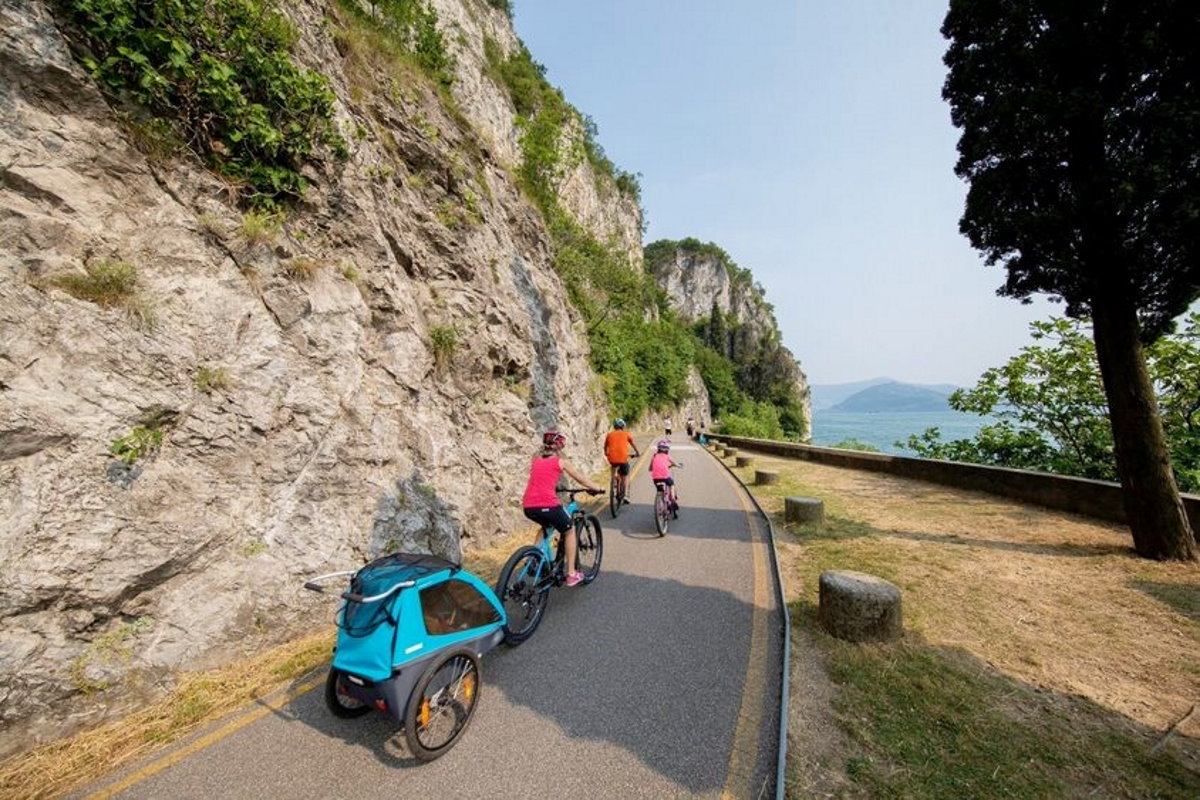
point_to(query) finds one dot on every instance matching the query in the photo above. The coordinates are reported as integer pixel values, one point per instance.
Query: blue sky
(809, 140)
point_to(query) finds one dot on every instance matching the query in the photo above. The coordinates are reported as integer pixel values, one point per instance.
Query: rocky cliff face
(696, 278)
(288, 397)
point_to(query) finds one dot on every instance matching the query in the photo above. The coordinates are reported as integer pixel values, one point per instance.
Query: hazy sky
(808, 138)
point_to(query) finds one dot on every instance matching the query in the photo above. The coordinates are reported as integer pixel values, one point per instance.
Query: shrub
(301, 268)
(211, 379)
(110, 284)
(139, 443)
(443, 339)
(260, 227)
(220, 73)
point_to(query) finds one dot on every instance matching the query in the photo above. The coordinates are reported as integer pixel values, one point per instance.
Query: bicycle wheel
(341, 703)
(442, 704)
(589, 547)
(662, 512)
(614, 502)
(523, 589)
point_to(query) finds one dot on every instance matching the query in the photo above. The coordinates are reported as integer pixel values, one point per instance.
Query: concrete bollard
(745, 461)
(858, 607)
(730, 452)
(765, 477)
(803, 509)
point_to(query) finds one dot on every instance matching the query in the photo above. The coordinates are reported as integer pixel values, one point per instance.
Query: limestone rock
(313, 421)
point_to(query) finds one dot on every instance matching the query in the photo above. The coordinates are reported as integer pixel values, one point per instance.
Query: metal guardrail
(786, 666)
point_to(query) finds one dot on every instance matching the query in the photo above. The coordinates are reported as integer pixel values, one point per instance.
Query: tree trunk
(1152, 504)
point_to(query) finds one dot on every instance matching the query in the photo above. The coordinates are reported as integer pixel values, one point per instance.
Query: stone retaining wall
(1100, 499)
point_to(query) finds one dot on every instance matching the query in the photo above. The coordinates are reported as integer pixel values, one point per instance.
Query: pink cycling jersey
(660, 466)
(543, 477)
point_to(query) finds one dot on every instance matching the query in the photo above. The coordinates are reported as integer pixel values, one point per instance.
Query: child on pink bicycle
(660, 472)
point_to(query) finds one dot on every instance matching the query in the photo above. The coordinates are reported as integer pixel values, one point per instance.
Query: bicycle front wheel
(662, 512)
(442, 704)
(523, 589)
(589, 547)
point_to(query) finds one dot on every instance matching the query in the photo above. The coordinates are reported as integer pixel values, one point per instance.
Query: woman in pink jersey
(660, 473)
(541, 501)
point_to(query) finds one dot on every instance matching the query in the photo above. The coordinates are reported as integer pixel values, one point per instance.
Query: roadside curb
(785, 669)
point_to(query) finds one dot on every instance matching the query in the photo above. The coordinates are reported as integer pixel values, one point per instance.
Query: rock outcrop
(698, 278)
(267, 399)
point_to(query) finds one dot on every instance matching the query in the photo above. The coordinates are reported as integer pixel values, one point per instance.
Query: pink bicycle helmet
(553, 440)
(664, 445)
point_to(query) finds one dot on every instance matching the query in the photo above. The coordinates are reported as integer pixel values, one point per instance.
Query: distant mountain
(830, 394)
(894, 396)
(826, 396)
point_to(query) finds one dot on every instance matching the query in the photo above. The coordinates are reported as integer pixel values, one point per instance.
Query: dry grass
(54, 769)
(1051, 600)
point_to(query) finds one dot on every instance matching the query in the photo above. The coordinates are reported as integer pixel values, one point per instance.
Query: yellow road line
(155, 767)
(743, 757)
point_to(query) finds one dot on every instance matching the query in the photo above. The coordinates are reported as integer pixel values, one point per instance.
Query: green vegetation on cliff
(641, 348)
(750, 376)
(217, 77)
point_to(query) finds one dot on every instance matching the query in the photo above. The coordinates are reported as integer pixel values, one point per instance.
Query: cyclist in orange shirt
(617, 445)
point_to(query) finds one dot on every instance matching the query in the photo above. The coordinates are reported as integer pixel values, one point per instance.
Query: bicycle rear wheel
(589, 547)
(614, 501)
(442, 704)
(662, 512)
(523, 589)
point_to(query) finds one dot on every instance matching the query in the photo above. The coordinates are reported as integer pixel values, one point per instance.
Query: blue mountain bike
(532, 571)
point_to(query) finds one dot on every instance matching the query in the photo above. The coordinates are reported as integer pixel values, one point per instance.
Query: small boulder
(858, 607)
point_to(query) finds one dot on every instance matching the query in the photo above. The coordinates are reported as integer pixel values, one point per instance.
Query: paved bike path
(658, 680)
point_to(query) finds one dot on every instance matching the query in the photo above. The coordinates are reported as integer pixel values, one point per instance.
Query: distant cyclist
(541, 501)
(667, 426)
(617, 445)
(660, 472)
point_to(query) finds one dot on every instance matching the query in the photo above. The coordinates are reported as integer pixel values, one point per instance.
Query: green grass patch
(111, 284)
(212, 379)
(936, 723)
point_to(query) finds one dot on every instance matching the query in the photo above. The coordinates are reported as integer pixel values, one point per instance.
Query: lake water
(883, 429)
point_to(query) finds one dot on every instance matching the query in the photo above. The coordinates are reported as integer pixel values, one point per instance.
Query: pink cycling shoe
(575, 578)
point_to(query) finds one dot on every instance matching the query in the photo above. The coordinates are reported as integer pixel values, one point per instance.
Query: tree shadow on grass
(936, 721)
(1183, 597)
(1065, 549)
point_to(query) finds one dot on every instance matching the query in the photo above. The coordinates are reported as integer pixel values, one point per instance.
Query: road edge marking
(155, 767)
(747, 734)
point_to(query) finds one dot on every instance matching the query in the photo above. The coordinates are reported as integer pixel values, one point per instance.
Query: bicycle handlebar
(580, 490)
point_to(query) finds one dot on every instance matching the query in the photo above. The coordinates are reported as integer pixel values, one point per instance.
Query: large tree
(1080, 125)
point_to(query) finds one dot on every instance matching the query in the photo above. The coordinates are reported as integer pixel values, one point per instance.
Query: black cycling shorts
(554, 517)
(661, 482)
(622, 469)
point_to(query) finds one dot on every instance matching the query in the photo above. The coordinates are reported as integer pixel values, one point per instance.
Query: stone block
(765, 477)
(858, 607)
(745, 461)
(803, 509)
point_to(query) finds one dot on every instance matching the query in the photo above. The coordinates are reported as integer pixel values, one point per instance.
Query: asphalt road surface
(660, 679)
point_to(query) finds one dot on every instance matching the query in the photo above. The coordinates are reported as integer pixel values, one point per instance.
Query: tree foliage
(1051, 413)
(1079, 139)
(1076, 115)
